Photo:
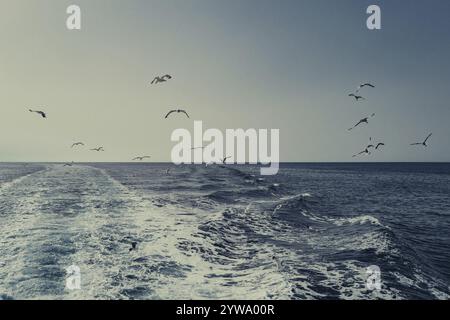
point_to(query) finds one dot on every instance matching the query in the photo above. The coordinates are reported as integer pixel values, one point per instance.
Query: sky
(285, 64)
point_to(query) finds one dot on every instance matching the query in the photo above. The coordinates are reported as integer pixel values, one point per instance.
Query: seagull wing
(169, 113)
(428, 137)
(183, 111)
(360, 121)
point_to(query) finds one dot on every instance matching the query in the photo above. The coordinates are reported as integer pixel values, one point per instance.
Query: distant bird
(364, 120)
(225, 159)
(177, 111)
(42, 113)
(68, 164)
(364, 85)
(163, 78)
(424, 143)
(366, 151)
(77, 144)
(379, 145)
(141, 158)
(357, 98)
(98, 149)
(133, 246)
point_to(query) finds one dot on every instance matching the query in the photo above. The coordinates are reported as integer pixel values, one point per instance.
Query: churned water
(224, 232)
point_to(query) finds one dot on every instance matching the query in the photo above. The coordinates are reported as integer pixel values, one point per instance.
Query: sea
(313, 231)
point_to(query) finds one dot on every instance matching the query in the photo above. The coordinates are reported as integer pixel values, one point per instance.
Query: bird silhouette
(77, 144)
(424, 143)
(357, 98)
(163, 78)
(42, 113)
(141, 158)
(364, 120)
(177, 111)
(364, 85)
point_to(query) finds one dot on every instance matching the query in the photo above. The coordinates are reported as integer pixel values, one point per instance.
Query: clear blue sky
(286, 64)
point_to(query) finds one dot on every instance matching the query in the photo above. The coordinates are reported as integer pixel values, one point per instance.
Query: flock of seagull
(156, 80)
(164, 78)
(371, 145)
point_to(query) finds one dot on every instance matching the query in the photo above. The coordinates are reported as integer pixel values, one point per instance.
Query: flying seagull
(357, 98)
(98, 149)
(177, 111)
(141, 158)
(366, 151)
(424, 143)
(163, 78)
(77, 144)
(364, 120)
(364, 85)
(42, 113)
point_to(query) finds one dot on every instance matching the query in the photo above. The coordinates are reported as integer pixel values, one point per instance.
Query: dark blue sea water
(225, 232)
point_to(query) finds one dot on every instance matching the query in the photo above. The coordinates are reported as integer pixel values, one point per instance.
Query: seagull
(178, 111)
(98, 149)
(366, 151)
(141, 158)
(163, 78)
(357, 98)
(225, 159)
(77, 144)
(379, 145)
(424, 143)
(133, 246)
(364, 85)
(42, 113)
(68, 164)
(364, 120)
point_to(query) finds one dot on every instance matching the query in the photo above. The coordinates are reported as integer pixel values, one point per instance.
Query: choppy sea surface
(225, 232)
